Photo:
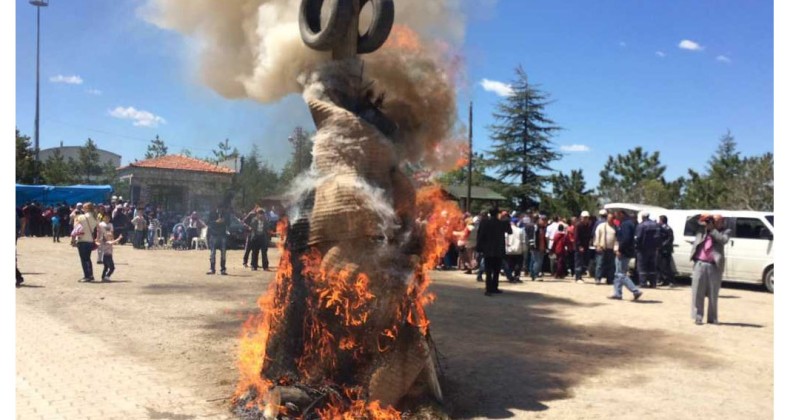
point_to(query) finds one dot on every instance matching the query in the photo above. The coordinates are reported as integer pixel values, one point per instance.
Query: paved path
(65, 374)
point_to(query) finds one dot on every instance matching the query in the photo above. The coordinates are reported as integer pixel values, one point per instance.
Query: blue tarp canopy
(49, 195)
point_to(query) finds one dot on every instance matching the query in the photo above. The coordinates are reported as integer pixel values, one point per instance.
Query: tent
(49, 195)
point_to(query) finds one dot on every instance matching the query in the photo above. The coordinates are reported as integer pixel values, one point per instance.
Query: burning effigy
(342, 331)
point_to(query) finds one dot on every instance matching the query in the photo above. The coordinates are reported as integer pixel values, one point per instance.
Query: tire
(324, 39)
(768, 279)
(380, 26)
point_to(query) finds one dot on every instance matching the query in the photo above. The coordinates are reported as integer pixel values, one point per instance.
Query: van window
(692, 225)
(770, 219)
(750, 228)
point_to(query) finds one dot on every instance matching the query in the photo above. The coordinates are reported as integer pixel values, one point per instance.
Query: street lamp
(39, 4)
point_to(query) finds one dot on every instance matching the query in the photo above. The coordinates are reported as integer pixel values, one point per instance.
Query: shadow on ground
(515, 351)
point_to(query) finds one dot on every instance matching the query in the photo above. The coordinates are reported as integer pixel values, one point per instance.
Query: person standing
(666, 271)
(84, 230)
(624, 251)
(259, 239)
(583, 235)
(154, 225)
(605, 239)
(140, 225)
(559, 247)
(491, 243)
(105, 243)
(55, 220)
(218, 222)
(539, 244)
(648, 237)
(708, 256)
(515, 244)
(247, 221)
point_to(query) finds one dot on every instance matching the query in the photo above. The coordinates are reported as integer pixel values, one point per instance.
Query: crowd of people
(98, 227)
(495, 243)
(531, 244)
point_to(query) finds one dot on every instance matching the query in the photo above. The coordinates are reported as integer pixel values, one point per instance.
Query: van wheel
(768, 279)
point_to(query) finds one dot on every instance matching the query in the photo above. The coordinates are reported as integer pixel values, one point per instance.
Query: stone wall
(201, 190)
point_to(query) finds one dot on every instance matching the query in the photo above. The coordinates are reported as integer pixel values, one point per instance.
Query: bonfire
(342, 330)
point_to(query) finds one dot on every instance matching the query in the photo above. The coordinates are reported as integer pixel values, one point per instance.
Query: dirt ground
(547, 350)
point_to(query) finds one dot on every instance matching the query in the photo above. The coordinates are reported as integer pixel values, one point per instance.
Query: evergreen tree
(27, 170)
(256, 180)
(624, 177)
(754, 188)
(521, 141)
(87, 164)
(570, 195)
(56, 170)
(224, 151)
(724, 167)
(156, 149)
(301, 157)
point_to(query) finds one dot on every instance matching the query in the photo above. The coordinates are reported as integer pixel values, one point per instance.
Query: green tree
(301, 156)
(754, 188)
(186, 152)
(570, 195)
(156, 149)
(27, 170)
(56, 170)
(625, 177)
(521, 138)
(255, 180)
(224, 151)
(87, 166)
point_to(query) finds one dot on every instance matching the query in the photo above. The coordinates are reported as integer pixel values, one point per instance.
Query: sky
(671, 76)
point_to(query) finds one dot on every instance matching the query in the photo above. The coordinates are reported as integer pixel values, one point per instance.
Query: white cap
(79, 204)
(644, 214)
(585, 213)
(603, 212)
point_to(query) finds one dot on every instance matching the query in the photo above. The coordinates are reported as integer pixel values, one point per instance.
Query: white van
(749, 254)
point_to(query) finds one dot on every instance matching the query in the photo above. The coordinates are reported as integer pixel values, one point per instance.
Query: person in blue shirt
(55, 228)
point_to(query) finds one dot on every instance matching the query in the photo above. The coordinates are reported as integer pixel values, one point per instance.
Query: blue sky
(615, 70)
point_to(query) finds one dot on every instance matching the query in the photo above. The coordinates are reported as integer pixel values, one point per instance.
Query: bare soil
(552, 349)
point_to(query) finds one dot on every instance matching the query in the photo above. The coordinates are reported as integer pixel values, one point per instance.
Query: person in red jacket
(559, 247)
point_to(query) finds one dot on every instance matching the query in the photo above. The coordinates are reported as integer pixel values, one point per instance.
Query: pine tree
(87, 164)
(224, 152)
(27, 169)
(301, 157)
(156, 149)
(570, 195)
(56, 170)
(522, 141)
(623, 176)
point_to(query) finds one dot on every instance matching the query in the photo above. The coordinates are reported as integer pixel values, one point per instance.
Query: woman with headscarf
(85, 226)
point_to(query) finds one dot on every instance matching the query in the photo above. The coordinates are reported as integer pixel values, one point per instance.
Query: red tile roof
(182, 163)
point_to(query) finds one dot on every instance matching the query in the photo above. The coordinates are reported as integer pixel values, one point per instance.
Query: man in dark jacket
(666, 272)
(648, 240)
(218, 222)
(624, 250)
(583, 232)
(491, 243)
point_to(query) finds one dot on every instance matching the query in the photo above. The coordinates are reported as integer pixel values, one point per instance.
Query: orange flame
(404, 39)
(357, 409)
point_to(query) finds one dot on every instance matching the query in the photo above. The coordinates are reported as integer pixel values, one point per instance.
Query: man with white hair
(648, 240)
(583, 233)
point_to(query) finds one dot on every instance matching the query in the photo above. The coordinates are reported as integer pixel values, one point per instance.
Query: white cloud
(572, 148)
(501, 89)
(723, 59)
(96, 92)
(141, 118)
(690, 45)
(661, 54)
(72, 80)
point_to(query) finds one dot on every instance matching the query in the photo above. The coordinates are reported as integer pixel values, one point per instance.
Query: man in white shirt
(604, 240)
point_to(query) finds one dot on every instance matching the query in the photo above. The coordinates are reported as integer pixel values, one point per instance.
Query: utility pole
(469, 169)
(39, 4)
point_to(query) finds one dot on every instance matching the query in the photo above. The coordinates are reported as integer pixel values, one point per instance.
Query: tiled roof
(182, 163)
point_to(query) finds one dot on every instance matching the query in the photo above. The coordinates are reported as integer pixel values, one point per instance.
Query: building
(73, 152)
(483, 195)
(176, 183)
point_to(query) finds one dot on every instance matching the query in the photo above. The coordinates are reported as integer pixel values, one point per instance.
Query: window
(750, 228)
(692, 226)
(770, 219)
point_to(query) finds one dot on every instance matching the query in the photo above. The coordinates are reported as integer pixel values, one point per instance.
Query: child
(105, 243)
(55, 228)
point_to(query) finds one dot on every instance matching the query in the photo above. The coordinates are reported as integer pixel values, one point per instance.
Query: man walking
(648, 240)
(624, 251)
(666, 272)
(491, 243)
(605, 240)
(708, 256)
(539, 245)
(218, 222)
(583, 236)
